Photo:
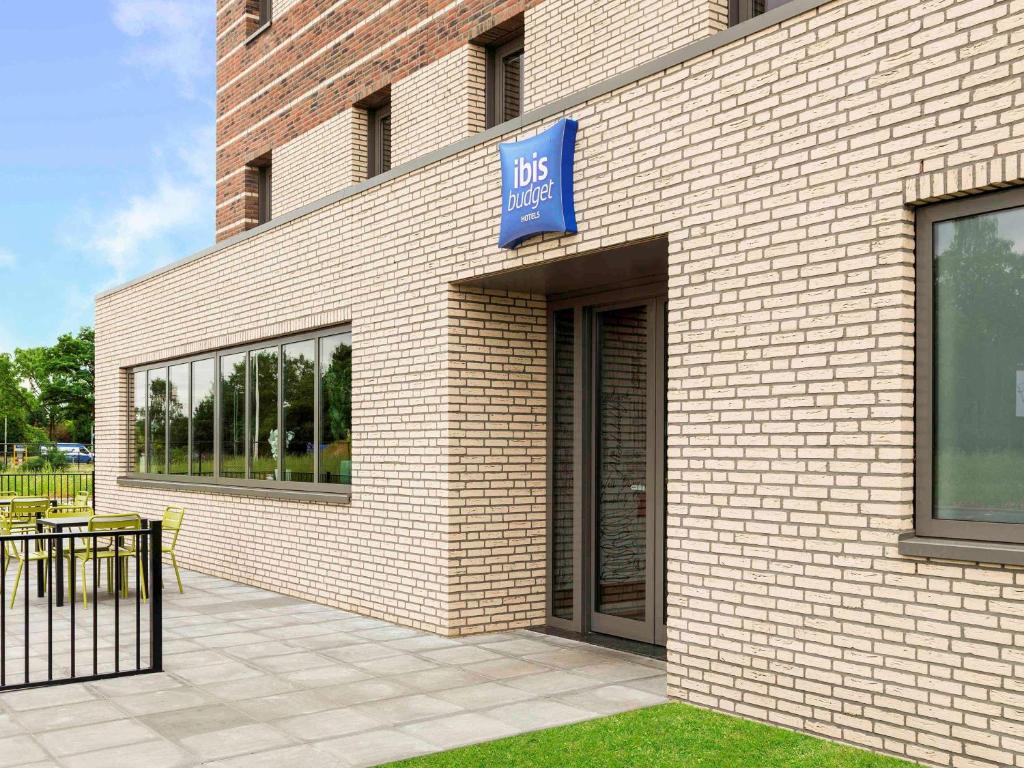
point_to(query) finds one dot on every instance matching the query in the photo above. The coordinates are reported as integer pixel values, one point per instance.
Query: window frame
(926, 524)
(496, 56)
(277, 342)
(743, 10)
(264, 193)
(375, 139)
(266, 8)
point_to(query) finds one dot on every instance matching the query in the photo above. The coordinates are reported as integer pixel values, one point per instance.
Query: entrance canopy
(631, 264)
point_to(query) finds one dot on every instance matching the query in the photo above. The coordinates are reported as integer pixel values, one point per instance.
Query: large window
(278, 414)
(970, 368)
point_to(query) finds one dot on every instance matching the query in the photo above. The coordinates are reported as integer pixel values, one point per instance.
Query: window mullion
(316, 411)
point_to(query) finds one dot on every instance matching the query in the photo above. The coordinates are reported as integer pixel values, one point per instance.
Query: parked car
(77, 453)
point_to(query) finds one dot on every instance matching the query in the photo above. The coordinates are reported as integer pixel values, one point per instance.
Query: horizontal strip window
(276, 414)
(969, 420)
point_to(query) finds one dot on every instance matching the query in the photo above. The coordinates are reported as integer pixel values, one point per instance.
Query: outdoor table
(60, 524)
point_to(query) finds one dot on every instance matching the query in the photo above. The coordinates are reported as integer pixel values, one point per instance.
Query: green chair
(106, 551)
(173, 517)
(83, 499)
(23, 553)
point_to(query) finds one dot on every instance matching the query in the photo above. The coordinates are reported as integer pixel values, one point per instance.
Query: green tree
(61, 379)
(15, 404)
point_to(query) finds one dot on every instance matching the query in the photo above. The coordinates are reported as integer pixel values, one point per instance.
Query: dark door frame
(585, 310)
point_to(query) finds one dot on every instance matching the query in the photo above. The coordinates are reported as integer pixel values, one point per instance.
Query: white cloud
(7, 259)
(175, 36)
(151, 227)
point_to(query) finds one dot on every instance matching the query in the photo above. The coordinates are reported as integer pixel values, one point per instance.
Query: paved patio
(256, 679)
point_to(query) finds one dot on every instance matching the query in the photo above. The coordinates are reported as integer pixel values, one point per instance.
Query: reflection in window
(202, 418)
(297, 407)
(232, 415)
(563, 465)
(139, 419)
(505, 81)
(158, 421)
(244, 396)
(978, 368)
(336, 409)
(177, 420)
(264, 444)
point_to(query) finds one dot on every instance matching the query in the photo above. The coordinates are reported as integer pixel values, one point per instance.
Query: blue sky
(106, 152)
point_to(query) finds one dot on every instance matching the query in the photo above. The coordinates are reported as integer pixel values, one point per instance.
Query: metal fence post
(156, 596)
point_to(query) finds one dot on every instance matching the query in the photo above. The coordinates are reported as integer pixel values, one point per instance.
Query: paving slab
(257, 680)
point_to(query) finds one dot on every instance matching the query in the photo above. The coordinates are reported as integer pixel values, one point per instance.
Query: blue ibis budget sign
(536, 184)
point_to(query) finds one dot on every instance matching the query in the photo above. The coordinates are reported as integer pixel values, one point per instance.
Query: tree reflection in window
(336, 409)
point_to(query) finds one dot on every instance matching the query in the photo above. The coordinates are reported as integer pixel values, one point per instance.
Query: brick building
(690, 423)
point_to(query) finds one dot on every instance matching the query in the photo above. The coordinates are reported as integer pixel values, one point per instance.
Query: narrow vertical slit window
(264, 182)
(505, 81)
(266, 8)
(379, 140)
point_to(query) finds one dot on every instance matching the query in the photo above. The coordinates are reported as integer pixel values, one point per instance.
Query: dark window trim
(266, 11)
(743, 10)
(496, 56)
(375, 139)
(197, 485)
(926, 524)
(278, 343)
(264, 193)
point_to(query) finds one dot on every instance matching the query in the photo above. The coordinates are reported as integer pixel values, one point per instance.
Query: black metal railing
(47, 638)
(50, 485)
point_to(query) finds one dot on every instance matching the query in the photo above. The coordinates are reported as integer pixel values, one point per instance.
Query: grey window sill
(282, 494)
(258, 31)
(912, 545)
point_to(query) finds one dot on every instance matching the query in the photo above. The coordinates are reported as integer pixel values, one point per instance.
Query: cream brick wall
(319, 162)
(783, 168)
(439, 104)
(572, 45)
(497, 358)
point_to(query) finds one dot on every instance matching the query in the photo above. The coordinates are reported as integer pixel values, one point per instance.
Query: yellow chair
(173, 517)
(22, 553)
(83, 499)
(108, 550)
(24, 513)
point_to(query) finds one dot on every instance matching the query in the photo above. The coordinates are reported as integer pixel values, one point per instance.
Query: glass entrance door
(623, 531)
(606, 468)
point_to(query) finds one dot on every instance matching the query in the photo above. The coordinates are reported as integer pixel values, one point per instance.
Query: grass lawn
(675, 735)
